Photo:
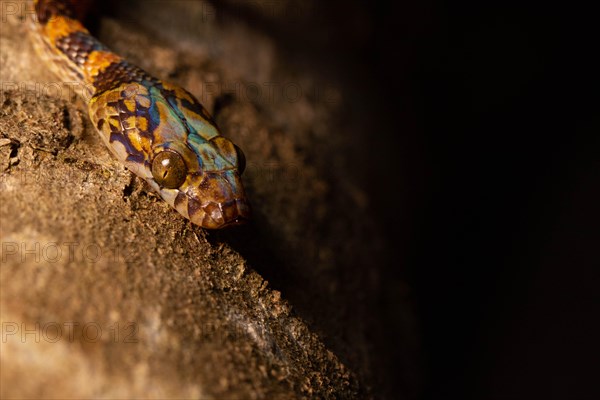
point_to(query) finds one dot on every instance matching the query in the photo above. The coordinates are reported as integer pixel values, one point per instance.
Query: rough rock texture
(107, 292)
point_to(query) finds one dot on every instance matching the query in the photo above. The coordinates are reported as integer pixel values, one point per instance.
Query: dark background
(480, 141)
(498, 166)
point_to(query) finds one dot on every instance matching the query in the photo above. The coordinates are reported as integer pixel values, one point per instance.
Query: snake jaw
(212, 201)
(220, 215)
(223, 202)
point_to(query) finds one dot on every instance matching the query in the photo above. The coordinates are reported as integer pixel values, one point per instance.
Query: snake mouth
(214, 201)
(221, 215)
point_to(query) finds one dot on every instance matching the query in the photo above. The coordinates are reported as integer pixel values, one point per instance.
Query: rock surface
(106, 292)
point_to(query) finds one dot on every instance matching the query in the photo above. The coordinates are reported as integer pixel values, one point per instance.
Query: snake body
(156, 129)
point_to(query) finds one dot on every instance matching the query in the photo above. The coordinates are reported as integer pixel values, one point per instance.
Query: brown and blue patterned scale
(157, 130)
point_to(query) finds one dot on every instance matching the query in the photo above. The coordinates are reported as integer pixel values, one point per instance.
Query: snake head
(162, 134)
(202, 181)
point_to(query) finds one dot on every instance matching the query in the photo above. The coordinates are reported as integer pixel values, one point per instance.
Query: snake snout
(220, 215)
(215, 201)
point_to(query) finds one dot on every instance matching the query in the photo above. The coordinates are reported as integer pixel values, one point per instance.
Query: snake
(156, 129)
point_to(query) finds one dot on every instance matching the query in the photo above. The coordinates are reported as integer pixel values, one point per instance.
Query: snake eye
(168, 169)
(241, 159)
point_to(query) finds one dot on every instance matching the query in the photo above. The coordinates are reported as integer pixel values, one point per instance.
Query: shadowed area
(290, 304)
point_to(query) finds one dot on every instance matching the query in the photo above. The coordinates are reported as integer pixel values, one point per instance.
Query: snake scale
(158, 130)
